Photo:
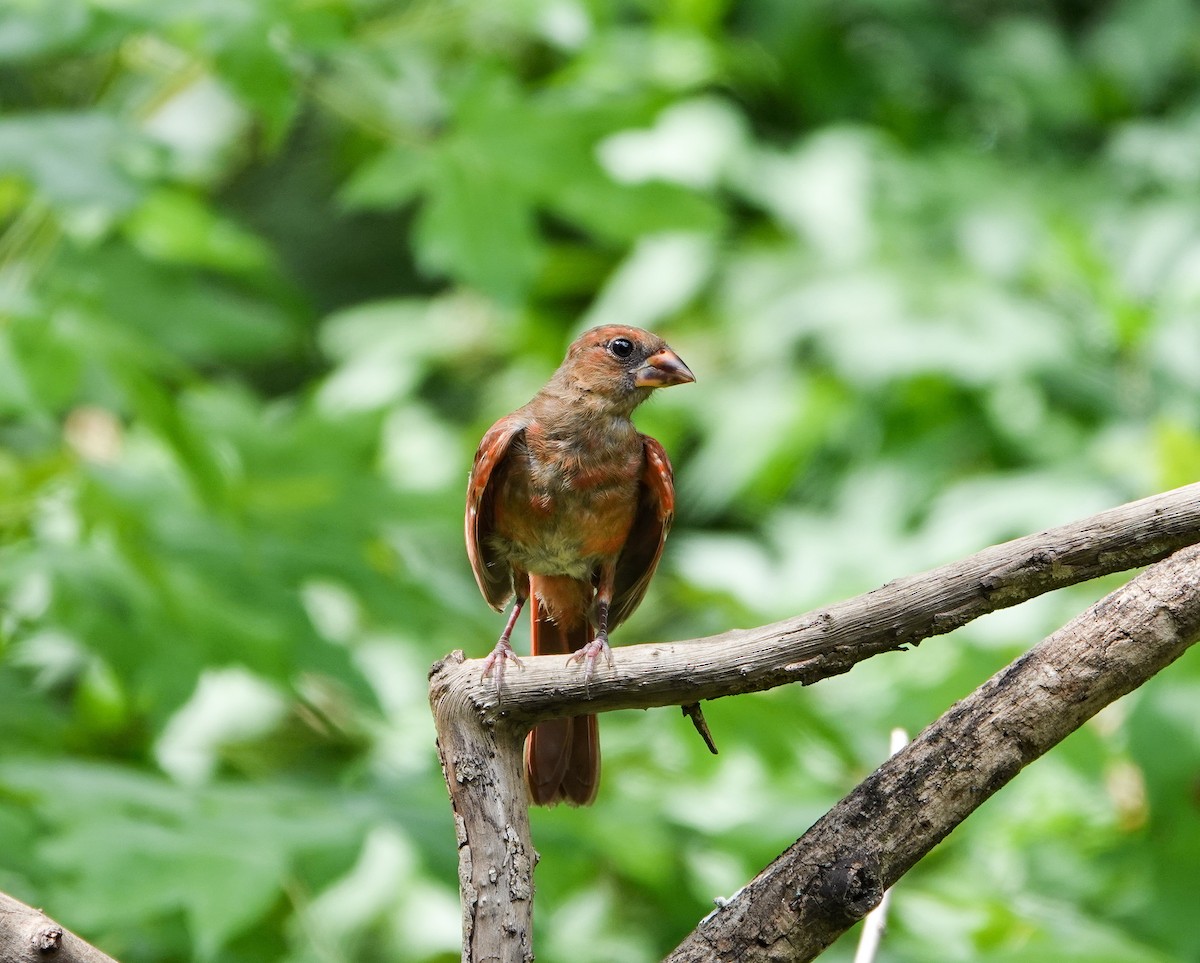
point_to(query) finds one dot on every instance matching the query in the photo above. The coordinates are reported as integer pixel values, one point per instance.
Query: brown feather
(562, 756)
(569, 505)
(493, 578)
(648, 534)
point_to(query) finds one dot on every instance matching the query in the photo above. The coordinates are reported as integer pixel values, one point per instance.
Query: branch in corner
(832, 879)
(839, 869)
(27, 934)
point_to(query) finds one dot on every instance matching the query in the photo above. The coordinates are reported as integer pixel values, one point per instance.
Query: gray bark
(831, 640)
(838, 870)
(27, 935)
(480, 730)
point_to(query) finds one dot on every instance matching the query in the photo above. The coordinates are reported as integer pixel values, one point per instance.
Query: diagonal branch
(831, 640)
(479, 735)
(27, 934)
(837, 871)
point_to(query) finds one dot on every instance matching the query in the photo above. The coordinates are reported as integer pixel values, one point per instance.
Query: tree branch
(483, 771)
(829, 641)
(480, 731)
(27, 935)
(839, 869)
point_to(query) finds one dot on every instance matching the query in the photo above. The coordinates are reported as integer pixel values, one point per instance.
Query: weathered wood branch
(838, 870)
(479, 731)
(484, 772)
(27, 935)
(829, 641)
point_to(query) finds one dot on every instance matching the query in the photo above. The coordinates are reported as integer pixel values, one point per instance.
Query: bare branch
(875, 924)
(840, 868)
(479, 735)
(27, 935)
(832, 640)
(482, 768)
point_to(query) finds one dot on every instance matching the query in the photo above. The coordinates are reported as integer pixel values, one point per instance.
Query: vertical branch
(483, 771)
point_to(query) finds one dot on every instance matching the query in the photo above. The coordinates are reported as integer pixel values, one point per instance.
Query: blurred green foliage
(268, 270)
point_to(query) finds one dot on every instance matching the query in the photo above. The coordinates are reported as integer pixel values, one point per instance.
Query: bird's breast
(564, 508)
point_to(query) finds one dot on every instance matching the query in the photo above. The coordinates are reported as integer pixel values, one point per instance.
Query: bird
(568, 508)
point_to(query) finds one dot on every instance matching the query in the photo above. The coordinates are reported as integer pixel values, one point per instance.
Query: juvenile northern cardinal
(569, 505)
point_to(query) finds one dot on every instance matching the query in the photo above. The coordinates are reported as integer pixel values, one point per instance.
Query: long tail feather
(562, 756)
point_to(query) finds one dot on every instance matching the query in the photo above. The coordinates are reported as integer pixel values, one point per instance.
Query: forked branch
(480, 734)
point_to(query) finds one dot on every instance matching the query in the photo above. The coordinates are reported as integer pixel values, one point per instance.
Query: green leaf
(128, 845)
(178, 227)
(34, 28)
(190, 316)
(263, 80)
(477, 227)
(75, 159)
(389, 180)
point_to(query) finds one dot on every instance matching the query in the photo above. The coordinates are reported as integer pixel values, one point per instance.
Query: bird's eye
(621, 347)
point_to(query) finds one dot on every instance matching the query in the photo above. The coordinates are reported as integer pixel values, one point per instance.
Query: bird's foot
(502, 653)
(589, 653)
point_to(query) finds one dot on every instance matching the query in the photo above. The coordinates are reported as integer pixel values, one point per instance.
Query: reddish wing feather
(655, 512)
(493, 577)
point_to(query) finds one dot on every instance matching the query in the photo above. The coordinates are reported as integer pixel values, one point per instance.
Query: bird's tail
(562, 756)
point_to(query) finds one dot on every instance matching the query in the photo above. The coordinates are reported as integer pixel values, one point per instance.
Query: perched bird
(568, 506)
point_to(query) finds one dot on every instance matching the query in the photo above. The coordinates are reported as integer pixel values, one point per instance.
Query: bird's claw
(502, 653)
(589, 653)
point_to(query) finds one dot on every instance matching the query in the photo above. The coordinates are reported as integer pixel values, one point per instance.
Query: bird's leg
(599, 645)
(503, 652)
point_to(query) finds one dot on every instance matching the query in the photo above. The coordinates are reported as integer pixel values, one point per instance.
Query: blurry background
(269, 270)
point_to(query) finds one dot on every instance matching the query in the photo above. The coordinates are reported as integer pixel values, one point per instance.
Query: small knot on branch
(47, 939)
(854, 885)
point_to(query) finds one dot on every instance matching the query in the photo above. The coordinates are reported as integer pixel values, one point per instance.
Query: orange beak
(663, 368)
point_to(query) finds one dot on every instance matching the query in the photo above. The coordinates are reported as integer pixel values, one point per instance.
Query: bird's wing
(493, 575)
(655, 512)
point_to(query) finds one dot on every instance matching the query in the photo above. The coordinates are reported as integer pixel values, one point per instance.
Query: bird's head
(622, 363)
